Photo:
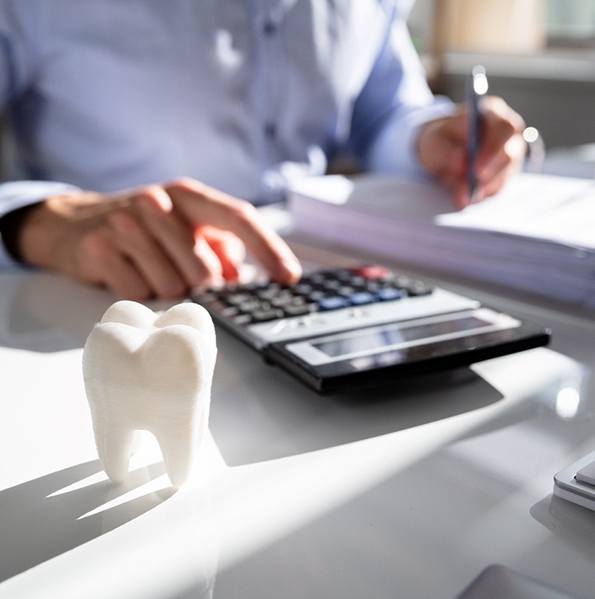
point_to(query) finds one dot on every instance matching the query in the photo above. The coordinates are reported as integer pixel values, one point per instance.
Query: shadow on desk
(42, 518)
(571, 522)
(259, 412)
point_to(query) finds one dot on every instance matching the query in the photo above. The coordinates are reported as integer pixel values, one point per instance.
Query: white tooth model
(147, 371)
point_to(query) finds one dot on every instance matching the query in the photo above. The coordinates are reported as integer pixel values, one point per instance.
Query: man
(141, 123)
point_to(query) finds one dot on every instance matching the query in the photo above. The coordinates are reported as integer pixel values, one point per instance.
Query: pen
(477, 87)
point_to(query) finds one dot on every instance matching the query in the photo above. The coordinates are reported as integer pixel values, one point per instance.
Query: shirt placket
(268, 69)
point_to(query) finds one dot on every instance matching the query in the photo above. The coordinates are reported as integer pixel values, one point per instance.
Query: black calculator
(365, 325)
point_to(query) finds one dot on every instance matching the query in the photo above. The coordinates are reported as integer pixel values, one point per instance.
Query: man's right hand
(158, 240)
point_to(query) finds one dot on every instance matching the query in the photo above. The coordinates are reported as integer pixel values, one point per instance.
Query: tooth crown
(150, 372)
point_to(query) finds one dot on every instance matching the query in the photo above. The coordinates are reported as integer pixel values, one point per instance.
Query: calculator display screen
(393, 335)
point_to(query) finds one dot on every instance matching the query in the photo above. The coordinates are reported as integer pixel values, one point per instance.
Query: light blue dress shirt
(241, 94)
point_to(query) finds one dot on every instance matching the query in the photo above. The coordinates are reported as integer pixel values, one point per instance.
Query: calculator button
(217, 306)
(266, 315)
(297, 300)
(297, 310)
(235, 299)
(361, 298)
(418, 288)
(313, 279)
(242, 319)
(333, 303)
(343, 274)
(389, 293)
(402, 281)
(303, 289)
(229, 312)
(331, 285)
(373, 286)
(282, 300)
(346, 291)
(316, 296)
(250, 305)
(357, 281)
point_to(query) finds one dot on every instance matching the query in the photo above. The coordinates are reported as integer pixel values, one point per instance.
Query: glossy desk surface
(407, 491)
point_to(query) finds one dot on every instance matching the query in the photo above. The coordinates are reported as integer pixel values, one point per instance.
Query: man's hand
(158, 240)
(441, 149)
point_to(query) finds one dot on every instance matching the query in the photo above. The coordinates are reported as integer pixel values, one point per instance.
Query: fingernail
(293, 269)
(214, 281)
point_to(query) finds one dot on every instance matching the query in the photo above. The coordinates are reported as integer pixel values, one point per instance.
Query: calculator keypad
(321, 291)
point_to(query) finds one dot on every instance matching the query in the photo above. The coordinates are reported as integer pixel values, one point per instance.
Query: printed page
(558, 209)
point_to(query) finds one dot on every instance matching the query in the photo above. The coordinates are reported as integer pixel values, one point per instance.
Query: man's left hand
(442, 143)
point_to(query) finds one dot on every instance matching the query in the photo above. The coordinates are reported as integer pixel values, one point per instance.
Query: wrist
(427, 146)
(11, 227)
(38, 236)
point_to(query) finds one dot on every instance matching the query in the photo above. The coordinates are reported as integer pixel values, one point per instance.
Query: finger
(135, 243)
(485, 189)
(510, 158)
(500, 163)
(441, 146)
(229, 249)
(454, 165)
(212, 264)
(175, 237)
(498, 180)
(460, 194)
(499, 124)
(102, 263)
(493, 186)
(203, 205)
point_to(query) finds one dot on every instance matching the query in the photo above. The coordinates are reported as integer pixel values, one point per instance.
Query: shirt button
(270, 130)
(269, 27)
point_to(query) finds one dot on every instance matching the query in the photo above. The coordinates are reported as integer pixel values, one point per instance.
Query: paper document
(539, 206)
(537, 234)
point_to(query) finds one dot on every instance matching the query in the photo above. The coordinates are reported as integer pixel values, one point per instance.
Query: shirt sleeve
(394, 103)
(17, 66)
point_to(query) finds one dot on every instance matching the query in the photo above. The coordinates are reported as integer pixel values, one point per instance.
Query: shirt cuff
(394, 149)
(17, 194)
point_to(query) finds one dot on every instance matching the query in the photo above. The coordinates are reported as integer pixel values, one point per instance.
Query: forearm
(393, 106)
(393, 149)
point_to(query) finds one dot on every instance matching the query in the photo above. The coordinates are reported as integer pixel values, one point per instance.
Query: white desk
(407, 492)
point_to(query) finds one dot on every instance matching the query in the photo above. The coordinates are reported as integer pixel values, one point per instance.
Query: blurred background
(539, 55)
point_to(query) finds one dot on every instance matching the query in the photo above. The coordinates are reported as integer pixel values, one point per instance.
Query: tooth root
(177, 449)
(114, 446)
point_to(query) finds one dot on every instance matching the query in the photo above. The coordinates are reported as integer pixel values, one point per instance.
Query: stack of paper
(538, 234)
